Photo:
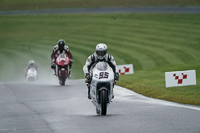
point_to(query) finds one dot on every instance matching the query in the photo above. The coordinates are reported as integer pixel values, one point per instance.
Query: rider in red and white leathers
(57, 50)
(99, 55)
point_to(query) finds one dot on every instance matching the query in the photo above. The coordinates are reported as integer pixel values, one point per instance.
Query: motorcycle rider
(57, 50)
(31, 65)
(100, 55)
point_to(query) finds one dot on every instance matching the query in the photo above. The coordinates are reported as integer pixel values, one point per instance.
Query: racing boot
(53, 66)
(89, 97)
(70, 67)
(69, 74)
(112, 94)
(54, 71)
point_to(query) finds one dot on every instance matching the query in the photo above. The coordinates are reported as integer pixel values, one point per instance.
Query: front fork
(58, 72)
(99, 94)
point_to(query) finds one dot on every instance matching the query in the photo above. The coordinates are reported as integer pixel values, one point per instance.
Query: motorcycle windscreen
(102, 66)
(62, 56)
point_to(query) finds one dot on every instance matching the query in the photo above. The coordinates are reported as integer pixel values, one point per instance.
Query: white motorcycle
(101, 87)
(32, 74)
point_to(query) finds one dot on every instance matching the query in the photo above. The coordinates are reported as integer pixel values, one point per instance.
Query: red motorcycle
(62, 68)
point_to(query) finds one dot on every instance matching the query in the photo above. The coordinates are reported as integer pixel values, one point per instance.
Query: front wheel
(62, 78)
(104, 97)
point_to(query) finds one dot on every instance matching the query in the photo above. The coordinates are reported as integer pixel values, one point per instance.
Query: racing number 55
(103, 75)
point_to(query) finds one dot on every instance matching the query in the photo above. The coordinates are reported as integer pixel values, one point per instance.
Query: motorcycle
(62, 68)
(31, 74)
(101, 87)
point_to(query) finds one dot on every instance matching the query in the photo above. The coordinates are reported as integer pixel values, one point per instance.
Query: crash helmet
(61, 44)
(31, 62)
(101, 50)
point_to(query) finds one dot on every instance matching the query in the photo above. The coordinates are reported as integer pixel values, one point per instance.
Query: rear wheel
(104, 96)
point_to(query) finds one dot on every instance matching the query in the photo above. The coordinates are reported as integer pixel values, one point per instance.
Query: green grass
(52, 4)
(151, 83)
(153, 43)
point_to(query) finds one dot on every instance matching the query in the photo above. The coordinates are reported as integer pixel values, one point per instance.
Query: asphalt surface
(167, 9)
(49, 108)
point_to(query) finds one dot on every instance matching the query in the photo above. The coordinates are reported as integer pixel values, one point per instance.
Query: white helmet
(31, 62)
(101, 50)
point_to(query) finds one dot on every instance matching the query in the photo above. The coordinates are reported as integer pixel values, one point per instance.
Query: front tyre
(104, 97)
(62, 78)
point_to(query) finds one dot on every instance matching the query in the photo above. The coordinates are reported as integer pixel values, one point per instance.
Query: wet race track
(50, 108)
(165, 9)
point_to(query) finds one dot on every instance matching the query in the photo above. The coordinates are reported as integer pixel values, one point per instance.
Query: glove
(53, 65)
(71, 60)
(87, 75)
(117, 76)
(88, 79)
